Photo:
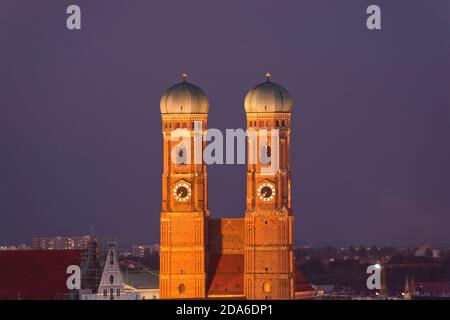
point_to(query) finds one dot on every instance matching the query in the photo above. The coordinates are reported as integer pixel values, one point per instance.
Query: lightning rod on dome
(268, 76)
(184, 76)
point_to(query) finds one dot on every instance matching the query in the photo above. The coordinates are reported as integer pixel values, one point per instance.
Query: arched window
(118, 292)
(111, 279)
(111, 294)
(105, 293)
(181, 155)
(111, 257)
(181, 288)
(265, 154)
(283, 123)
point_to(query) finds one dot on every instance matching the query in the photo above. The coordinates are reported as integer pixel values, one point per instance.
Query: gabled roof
(226, 260)
(111, 276)
(226, 274)
(226, 235)
(300, 282)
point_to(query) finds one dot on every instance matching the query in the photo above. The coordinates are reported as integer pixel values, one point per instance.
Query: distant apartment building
(60, 243)
(139, 250)
(427, 250)
(14, 247)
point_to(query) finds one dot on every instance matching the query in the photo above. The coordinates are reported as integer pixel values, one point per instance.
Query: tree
(387, 251)
(374, 252)
(351, 251)
(328, 251)
(362, 252)
(151, 259)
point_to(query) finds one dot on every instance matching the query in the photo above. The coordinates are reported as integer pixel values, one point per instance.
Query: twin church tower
(250, 257)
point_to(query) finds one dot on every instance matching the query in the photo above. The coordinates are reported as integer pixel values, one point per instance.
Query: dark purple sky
(80, 125)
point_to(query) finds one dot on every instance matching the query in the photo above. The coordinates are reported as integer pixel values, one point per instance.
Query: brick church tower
(269, 265)
(184, 212)
(227, 258)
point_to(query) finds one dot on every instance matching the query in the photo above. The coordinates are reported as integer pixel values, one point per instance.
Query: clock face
(266, 191)
(182, 191)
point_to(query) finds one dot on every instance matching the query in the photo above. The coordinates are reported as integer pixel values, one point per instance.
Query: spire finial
(268, 76)
(184, 76)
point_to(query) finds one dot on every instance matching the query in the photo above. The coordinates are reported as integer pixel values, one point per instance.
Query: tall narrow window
(181, 155)
(265, 154)
(267, 287)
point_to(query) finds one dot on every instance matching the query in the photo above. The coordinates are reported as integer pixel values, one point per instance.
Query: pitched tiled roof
(226, 235)
(35, 274)
(226, 261)
(301, 284)
(226, 274)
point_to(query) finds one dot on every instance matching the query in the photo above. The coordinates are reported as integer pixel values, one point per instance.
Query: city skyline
(81, 121)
